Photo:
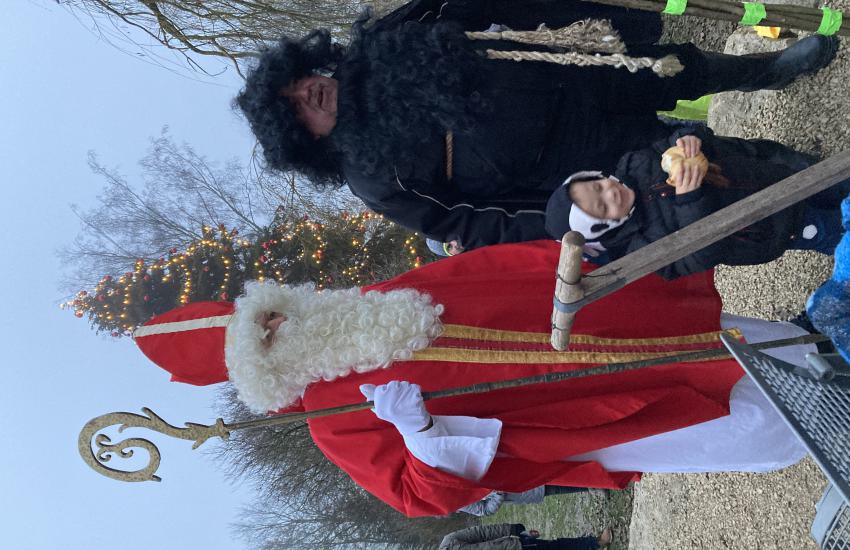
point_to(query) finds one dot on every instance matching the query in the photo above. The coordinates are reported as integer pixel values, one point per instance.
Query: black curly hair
(398, 89)
(401, 90)
(286, 143)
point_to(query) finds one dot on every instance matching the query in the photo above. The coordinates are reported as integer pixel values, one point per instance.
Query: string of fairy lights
(216, 266)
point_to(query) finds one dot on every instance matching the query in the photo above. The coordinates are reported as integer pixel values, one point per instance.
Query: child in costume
(642, 202)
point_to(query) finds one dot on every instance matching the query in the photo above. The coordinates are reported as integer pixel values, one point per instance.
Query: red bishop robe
(498, 302)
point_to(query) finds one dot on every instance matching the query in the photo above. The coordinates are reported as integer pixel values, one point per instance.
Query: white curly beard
(326, 335)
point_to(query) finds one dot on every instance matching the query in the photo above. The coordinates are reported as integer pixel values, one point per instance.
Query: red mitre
(188, 342)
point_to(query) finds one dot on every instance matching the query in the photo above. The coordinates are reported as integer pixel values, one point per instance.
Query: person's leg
(620, 91)
(774, 70)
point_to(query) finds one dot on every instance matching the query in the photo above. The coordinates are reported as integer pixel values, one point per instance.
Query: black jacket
(548, 121)
(749, 165)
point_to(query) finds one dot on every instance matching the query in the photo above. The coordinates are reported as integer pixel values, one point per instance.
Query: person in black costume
(377, 114)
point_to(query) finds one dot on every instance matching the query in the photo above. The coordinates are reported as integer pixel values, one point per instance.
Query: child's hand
(690, 179)
(690, 145)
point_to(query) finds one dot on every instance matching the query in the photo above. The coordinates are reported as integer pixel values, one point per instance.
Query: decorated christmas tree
(340, 251)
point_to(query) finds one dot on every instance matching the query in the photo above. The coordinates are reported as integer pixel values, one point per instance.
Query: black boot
(802, 320)
(768, 71)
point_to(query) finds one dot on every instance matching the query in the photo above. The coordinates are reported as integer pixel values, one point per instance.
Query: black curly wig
(398, 89)
(401, 90)
(286, 143)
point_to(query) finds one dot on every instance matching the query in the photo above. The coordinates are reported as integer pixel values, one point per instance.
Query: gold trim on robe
(467, 344)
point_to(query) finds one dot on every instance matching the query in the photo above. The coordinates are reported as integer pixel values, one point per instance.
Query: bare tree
(231, 30)
(305, 501)
(181, 192)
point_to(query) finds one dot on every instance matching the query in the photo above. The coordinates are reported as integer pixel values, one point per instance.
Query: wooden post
(568, 289)
(777, 15)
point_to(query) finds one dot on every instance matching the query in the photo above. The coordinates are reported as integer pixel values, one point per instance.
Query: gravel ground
(764, 511)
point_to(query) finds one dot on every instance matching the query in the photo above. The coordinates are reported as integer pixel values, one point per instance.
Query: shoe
(766, 71)
(808, 55)
(604, 538)
(803, 321)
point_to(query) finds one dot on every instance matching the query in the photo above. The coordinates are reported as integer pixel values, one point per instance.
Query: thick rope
(590, 35)
(668, 65)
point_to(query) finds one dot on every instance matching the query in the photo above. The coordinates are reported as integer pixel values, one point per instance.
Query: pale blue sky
(64, 92)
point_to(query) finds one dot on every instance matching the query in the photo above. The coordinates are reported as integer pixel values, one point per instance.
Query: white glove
(399, 403)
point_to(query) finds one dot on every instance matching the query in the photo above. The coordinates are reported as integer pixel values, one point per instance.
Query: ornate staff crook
(200, 433)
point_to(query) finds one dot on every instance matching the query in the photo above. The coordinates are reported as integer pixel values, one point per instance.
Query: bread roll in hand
(673, 160)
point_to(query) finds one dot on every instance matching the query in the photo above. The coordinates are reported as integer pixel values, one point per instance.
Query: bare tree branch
(181, 192)
(230, 30)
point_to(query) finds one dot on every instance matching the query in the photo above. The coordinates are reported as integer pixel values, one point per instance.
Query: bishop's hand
(401, 404)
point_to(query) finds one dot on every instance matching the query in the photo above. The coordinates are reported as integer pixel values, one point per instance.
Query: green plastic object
(754, 12)
(696, 109)
(830, 22)
(675, 7)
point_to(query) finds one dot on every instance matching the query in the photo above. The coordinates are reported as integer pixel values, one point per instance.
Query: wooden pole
(567, 289)
(797, 17)
(200, 433)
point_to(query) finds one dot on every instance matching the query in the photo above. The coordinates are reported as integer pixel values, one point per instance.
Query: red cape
(509, 288)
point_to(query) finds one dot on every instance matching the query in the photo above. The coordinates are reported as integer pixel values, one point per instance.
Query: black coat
(548, 121)
(749, 165)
